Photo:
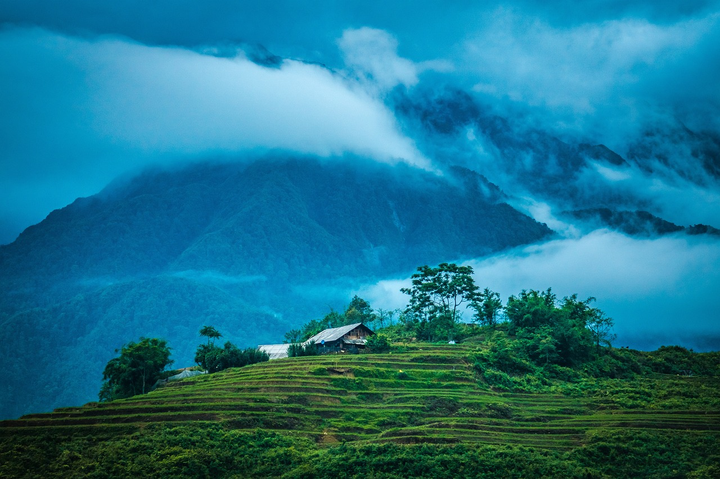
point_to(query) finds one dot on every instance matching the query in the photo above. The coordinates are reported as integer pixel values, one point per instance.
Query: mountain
(635, 223)
(252, 247)
(560, 169)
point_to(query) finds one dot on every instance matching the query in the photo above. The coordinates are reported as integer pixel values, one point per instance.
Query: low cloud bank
(659, 291)
(77, 113)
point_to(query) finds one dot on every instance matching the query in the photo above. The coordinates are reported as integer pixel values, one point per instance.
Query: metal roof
(185, 374)
(332, 334)
(275, 351)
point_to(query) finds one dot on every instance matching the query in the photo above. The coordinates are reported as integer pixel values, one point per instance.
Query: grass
(426, 394)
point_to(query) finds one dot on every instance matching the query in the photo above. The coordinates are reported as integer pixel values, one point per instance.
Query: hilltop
(422, 410)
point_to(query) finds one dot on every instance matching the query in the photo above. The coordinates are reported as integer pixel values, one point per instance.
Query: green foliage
(360, 416)
(205, 451)
(378, 343)
(569, 333)
(136, 369)
(213, 358)
(210, 332)
(487, 306)
(437, 297)
(357, 311)
(300, 349)
(531, 309)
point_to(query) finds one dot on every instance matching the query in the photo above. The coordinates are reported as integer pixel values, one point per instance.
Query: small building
(275, 351)
(350, 338)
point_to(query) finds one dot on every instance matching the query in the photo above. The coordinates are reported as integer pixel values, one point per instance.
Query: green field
(422, 402)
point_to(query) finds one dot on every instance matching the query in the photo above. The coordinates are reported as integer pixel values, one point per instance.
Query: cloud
(372, 55)
(605, 79)
(529, 60)
(76, 113)
(659, 291)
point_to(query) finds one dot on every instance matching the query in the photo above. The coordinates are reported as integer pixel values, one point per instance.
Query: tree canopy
(213, 358)
(210, 332)
(438, 296)
(136, 369)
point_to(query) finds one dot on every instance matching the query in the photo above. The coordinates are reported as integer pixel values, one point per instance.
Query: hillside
(423, 410)
(255, 247)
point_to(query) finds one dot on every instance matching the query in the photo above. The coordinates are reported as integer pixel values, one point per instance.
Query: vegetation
(540, 394)
(378, 343)
(136, 369)
(357, 311)
(425, 410)
(169, 251)
(299, 349)
(436, 296)
(214, 359)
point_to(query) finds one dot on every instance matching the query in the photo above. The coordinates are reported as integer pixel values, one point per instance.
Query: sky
(90, 91)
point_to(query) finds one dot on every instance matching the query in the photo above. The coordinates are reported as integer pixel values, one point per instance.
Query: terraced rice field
(428, 394)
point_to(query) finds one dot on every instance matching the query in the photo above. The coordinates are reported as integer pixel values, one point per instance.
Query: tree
(213, 358)
(359, 311)
(531, 309)
(487, 307)
(542, 345)
(436, 298)
(300, 349)
(210, 332)
(293, 336)
(441, 290)
(136, 369)
(218, 359)
(385, 316)
(378, 343)
(601, 328)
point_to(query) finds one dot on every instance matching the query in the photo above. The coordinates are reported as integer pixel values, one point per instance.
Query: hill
(424, 410)
(254, 247)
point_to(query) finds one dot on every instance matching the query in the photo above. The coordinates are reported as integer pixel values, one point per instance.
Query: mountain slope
(422, 411)
(238, 245)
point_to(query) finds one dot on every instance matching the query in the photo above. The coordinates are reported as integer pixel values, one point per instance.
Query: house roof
(185, 374)
(275, 351)
(333, 334)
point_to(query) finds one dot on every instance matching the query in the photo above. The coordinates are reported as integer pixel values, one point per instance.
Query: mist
(658, 291)
(77, 113)
(92, 93)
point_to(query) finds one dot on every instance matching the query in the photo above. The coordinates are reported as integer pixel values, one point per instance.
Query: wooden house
(350, 338)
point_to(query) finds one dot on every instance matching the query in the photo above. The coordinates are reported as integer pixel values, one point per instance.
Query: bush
(298, 349)
(378, 343)
(498, 379)
(214, 359)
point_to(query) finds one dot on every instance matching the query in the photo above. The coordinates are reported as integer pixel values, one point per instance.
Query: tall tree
(359, 311)
(438, 294)
(211, 333)
(601, 327)
(136, 369)
(487, 306)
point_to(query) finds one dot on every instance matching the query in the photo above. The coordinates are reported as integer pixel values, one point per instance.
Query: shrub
(378, 343)
(299, 349)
